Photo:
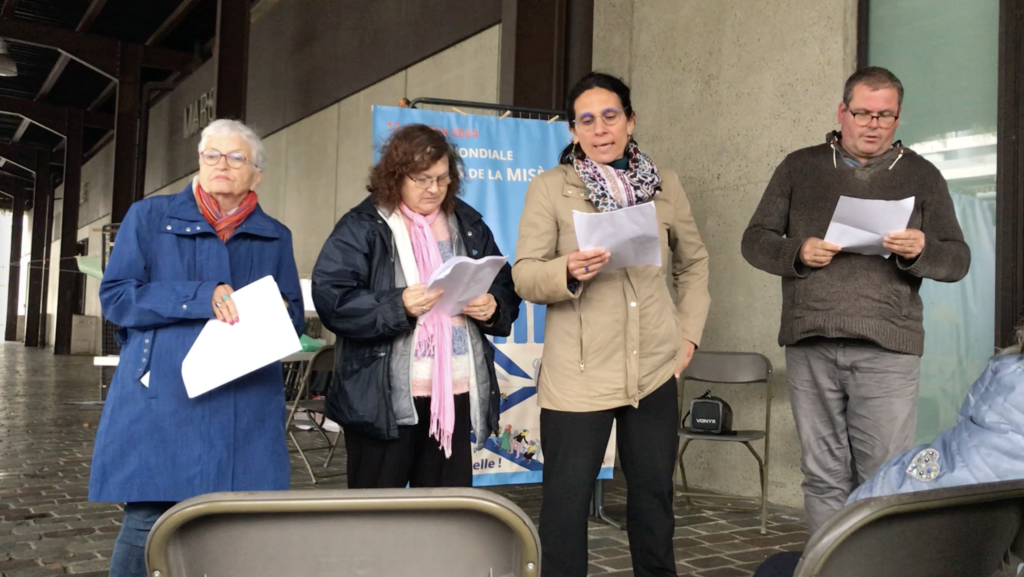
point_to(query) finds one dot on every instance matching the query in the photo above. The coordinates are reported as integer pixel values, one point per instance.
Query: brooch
(925, 466)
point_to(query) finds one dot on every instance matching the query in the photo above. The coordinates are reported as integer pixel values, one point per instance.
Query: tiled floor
(48, 418)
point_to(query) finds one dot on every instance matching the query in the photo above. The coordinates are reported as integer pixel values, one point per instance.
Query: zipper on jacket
(580, 317)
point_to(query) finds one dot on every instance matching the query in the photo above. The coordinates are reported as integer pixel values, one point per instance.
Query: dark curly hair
(412, 149)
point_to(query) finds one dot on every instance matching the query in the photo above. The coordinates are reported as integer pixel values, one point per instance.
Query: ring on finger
(216, 305)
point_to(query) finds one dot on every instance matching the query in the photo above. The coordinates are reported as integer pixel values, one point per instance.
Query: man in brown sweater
(851, 323)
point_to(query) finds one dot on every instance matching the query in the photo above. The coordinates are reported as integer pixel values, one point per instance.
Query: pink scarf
(435, 336)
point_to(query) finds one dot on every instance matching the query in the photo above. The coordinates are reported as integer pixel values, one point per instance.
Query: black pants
(574, 446)
(415, 459)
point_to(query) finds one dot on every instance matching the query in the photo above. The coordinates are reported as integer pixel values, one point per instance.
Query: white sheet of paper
(223, 352)
(145, 380)
(859, 225)
(307, 294)
(462, 279)
(630, 235)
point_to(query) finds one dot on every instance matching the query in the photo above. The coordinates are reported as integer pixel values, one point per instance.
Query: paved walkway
(48, 419)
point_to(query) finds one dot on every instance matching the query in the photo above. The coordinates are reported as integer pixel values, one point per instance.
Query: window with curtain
(946, 54)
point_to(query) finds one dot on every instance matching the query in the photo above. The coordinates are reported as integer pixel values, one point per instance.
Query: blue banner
(501, 156)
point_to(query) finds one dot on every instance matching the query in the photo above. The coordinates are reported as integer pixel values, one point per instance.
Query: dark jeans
(129, 556)
(574, 446)
(416, 459)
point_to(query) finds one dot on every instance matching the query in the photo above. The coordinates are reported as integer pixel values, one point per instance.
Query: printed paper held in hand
(462, 279)
(307, 295)
(859, 225)
(630, 235)
(223, 352)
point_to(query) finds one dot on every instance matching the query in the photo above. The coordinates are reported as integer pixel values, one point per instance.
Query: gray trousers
(855, 407)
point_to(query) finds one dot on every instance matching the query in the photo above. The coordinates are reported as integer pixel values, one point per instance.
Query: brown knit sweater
(855, 296)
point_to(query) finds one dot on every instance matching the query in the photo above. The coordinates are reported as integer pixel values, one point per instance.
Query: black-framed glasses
(863, 119)
(424, 182)
(610, 116)
(212, 156)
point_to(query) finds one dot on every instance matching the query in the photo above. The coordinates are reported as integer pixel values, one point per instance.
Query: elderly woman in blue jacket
(986, 444)
(410, 388)
(176, 262)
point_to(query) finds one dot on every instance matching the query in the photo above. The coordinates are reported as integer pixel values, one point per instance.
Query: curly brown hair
(413, 149)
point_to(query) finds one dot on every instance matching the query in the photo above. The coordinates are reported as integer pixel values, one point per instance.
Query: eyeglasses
(212, 156)
(588, 121)
(425, 181)
(863, 119)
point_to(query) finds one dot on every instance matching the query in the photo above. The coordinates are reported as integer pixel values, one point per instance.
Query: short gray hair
(875, 78)
(228, 127)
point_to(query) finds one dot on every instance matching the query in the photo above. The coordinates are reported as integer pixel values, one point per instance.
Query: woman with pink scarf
(412, 391)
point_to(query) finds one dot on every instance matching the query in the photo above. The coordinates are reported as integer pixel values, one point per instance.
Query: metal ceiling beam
(19, 156)
(14, 188)
(103, 141)
(25, 123)
(172, 22)
(97, 52)
(91, 13)
(94, 9)
(104, 96)
(8, 10)
(5, 174)
(53, 77)
(23, 155)
(52, 116)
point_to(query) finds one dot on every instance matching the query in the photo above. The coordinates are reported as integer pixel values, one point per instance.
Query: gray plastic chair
(735, 369)
(957, 532)
(322, 362)
(373, 532)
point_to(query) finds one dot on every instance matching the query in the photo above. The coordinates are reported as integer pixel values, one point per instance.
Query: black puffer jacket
(355, 296)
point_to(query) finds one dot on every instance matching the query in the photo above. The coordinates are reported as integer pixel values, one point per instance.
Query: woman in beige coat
(615, 342)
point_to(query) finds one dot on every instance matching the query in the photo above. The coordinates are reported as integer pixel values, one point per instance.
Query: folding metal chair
(736, 369)
(375, 532)
(322, 362)
(957, 532)
(293, 371)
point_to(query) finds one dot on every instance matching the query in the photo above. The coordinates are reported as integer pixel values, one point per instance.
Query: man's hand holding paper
(865, 227)
(909, 243)
(817, 253)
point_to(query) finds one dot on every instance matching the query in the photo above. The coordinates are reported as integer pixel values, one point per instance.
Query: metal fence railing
(485, 109)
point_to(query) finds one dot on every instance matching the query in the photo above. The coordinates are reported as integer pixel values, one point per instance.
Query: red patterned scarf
(224, 224)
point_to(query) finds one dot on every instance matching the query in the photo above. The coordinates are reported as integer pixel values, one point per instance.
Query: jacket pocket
(136, 361)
